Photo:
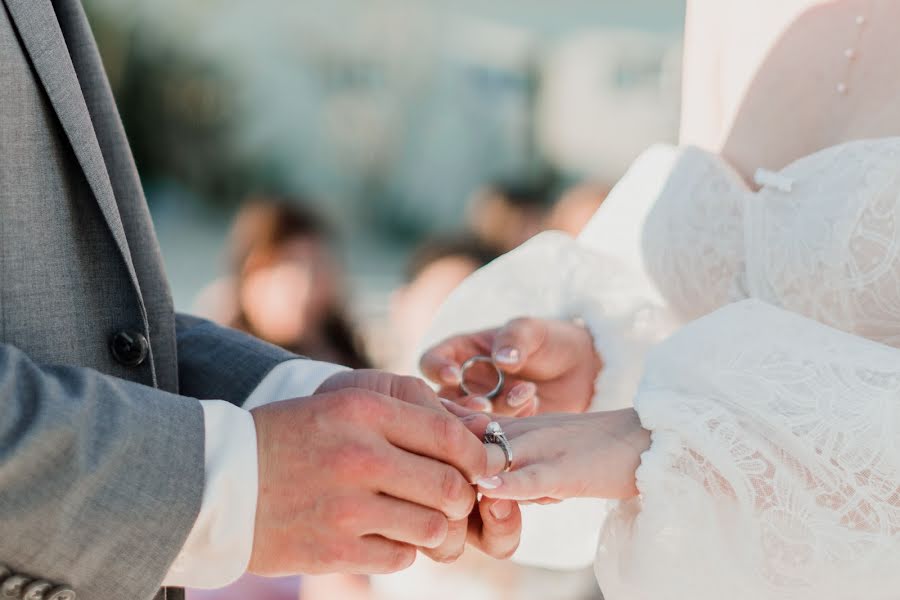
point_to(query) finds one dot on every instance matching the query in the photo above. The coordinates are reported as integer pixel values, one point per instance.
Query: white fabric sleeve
(774, 468)
(218, 548)
(292, 379)
(601, 280)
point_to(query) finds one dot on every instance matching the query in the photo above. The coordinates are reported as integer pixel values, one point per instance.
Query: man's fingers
(437, 435)
(427, 482)
(413, 390)
(454, 544)
(375, 555)
(458, 409)
(401, 521)
(495, 527)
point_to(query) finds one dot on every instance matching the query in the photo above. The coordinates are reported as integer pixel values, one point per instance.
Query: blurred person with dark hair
(286, 287)
(576, 206)
(289, 286)
(507, 214)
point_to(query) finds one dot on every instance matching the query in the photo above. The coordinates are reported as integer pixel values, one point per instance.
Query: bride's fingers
(517, 341)
(518, 400)
(439, 363)
(442, 363)
(496, 459)
(528, 483)
(539, 347)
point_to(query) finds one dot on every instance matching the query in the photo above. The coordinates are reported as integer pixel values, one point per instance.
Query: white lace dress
(774, 405)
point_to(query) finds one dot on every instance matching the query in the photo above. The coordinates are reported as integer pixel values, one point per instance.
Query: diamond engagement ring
(477, 360)
(494, 435)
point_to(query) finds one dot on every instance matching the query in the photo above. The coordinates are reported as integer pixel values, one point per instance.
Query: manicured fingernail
(489, 483)
(521, 393)
(507, 355)
(451, 375)
(501, 510)
(480, 403)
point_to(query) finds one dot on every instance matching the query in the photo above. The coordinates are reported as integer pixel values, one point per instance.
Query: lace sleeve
(598, 278)
(774, 470)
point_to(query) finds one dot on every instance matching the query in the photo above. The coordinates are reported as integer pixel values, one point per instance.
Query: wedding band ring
(476, 360)
(494, 435)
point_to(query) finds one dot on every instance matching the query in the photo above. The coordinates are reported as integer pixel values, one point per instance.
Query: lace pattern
(775, 464)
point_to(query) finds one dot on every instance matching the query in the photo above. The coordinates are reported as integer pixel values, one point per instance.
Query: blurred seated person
(436, 268)
(286, 285)
(576, 206)
(505, 215)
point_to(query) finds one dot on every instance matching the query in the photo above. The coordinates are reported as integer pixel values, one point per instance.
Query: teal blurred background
(387, 114)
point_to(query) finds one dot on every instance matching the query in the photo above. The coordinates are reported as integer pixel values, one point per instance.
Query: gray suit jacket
(101, 438)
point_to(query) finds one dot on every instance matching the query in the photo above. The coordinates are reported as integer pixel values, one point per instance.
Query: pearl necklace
(850, 53)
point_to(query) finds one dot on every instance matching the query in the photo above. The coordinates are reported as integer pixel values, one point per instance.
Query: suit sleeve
(220, 363)
(100, 479)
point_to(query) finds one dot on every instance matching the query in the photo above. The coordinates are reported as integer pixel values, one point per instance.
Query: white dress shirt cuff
(291, 379)
(218, 548)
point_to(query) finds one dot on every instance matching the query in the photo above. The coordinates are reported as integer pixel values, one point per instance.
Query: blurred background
(323, 172)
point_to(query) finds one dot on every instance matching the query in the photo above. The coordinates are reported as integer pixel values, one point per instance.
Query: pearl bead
(860, 20)
(850, 53)
(841, 88)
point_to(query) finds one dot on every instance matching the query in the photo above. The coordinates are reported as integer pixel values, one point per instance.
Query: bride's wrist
(624, 441)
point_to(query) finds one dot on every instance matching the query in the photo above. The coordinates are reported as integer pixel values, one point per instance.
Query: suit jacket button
(62, 592)
(129, 348)
(36, 590)
(13, 585)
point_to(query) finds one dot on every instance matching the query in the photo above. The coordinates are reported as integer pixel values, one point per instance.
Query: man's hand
(354, 480)
(493, 526)
(550, 367)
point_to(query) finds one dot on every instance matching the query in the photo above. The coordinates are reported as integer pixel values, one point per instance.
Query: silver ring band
(494, 435)
(475, 360)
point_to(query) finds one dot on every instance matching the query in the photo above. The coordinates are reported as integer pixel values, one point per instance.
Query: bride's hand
(551, 366)
(594, 455)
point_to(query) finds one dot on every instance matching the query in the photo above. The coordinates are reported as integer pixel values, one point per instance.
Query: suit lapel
(43, 41)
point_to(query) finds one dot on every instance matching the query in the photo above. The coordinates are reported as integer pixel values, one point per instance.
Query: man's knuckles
(354, 462)
(414, 391)
(343, 515)
(359, 406)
